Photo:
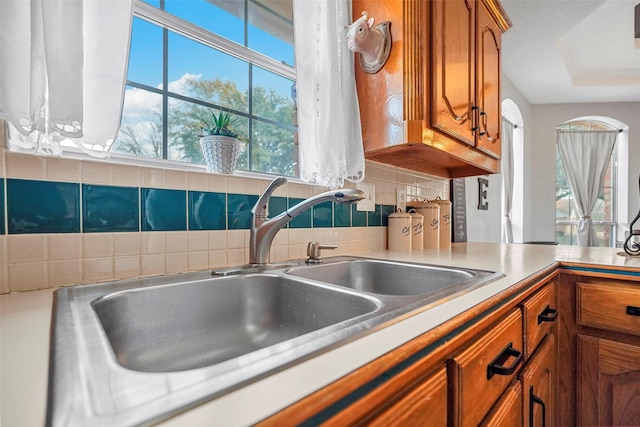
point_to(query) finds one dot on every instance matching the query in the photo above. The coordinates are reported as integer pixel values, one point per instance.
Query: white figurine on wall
(372, 43)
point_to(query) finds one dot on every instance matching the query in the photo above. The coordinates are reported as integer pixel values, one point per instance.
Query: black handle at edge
(547, 315)
(633, 311)
(496, 367)
(533, 399)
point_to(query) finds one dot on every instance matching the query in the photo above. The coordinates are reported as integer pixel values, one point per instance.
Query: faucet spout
(264, 229)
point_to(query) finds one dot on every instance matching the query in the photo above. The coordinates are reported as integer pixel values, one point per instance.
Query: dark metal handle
(483, 119)
(496, 366)
(547, 315)
(533, 399)
(633, 311)
(474, 120)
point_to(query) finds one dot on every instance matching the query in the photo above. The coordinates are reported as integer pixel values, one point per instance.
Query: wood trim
(429, 349)
(498, 13)
(414, 51)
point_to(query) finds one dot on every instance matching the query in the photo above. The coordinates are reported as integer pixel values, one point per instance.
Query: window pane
(271, 29)
(141, 127)
(145, 54)
(223, 17)
(272, 97)
(203, 73)
(566, 234)
(273, 150)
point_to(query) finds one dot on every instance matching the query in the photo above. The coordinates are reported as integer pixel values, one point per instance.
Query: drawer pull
(547, 315)
(533, 399)
(634, 311)
(496, 366)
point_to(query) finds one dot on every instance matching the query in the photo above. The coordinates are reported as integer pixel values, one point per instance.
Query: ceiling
(572, 51)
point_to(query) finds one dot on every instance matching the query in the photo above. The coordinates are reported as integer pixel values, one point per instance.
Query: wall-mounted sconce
(372, 43)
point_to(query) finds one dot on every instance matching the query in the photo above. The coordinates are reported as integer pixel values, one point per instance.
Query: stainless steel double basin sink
(134, 352)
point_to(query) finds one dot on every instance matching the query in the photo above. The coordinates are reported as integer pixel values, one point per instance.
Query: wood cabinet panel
(540, 313)
(453, 81)
(608, 388)
(610, 306)
(508, 410)
(540, 383)
(474, 389)
(425, 404)
(488, 83)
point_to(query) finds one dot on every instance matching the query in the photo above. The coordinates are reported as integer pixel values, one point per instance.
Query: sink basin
(190, 326)
(390, 277)
(136, 352)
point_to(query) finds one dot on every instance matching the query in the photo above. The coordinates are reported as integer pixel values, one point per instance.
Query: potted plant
(220, 145)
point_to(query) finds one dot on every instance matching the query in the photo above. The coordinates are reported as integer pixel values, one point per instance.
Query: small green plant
(219, 124)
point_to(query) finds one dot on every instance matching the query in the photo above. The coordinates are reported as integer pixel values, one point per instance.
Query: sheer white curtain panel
(63, 65)
(507, 179)
(329, 131)
(585, 155)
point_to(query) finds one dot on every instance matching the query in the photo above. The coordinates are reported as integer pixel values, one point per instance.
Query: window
(604, 212)
(234, 56)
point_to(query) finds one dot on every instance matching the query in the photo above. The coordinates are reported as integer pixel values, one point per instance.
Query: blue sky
(189, 57)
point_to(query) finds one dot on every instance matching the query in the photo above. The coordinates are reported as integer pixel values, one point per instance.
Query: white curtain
(63, 65)
(585, 155)
(507, 179)
(329, 132)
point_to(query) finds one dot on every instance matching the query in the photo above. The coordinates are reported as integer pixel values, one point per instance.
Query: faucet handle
(261, 208)
(313, 252)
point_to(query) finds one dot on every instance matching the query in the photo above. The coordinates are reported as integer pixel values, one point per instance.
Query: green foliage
(219, 124)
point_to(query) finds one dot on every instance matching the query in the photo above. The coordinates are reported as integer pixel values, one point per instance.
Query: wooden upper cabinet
(422, 110)
(453, 82)
(488, 83)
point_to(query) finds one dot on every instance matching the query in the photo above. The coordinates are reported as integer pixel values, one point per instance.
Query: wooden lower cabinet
(608, 382)
(424, 405)
(508, 410)
(539, 384)
(482, 372)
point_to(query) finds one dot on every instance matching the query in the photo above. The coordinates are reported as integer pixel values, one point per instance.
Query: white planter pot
(220, 153)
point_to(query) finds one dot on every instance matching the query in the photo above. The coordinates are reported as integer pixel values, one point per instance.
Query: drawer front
(539, 312)
(615, 307)
(481, 373)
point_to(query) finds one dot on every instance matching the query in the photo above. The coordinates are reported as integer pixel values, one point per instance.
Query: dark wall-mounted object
(483, 203)
(637, 27)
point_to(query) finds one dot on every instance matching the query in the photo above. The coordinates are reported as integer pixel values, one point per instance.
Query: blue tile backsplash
(2, 231)
(207, 211)
(42, 207)
(32, 206)
(110, 209)
(156, 214)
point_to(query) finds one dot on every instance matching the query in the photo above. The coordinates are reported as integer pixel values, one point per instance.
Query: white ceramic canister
(417, 229)
(399, 231)
(431, 214)
(445, 221)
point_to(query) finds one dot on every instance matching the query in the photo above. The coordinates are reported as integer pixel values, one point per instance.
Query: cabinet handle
(547, 315)
(496, 366)
(474, 119)
(481, 120)
(633, 311)
(533, 399)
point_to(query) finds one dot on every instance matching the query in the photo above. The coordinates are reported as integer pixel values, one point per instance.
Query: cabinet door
(453, 82)
(425, 404)
(608, 388)
(508, 410)
(539, 386)
(488, 83)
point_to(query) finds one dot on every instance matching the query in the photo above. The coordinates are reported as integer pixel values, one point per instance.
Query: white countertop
(25, 319)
